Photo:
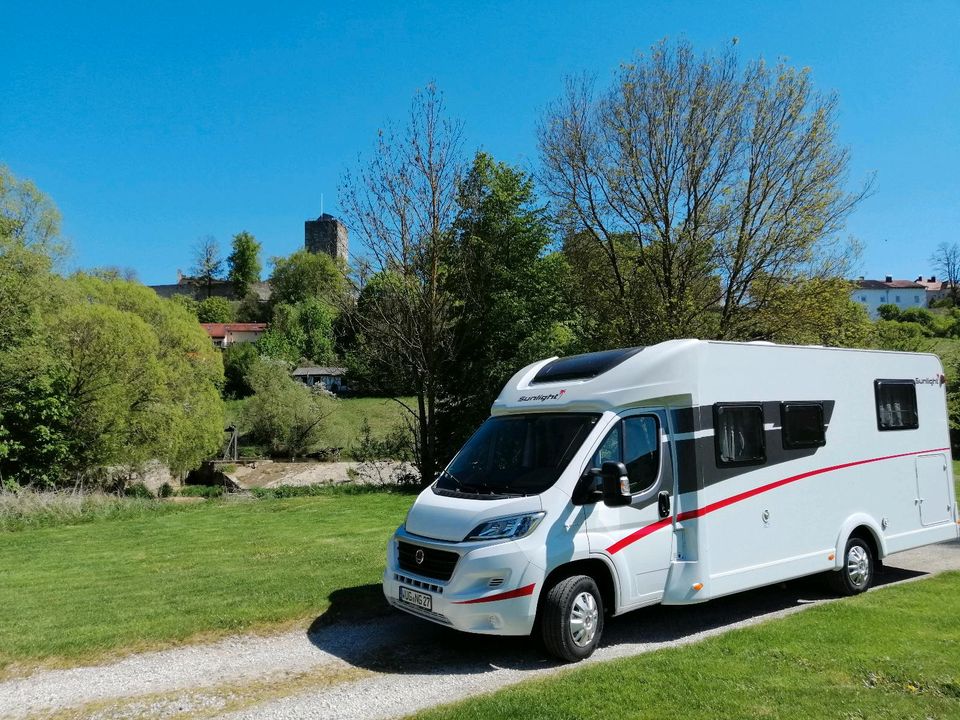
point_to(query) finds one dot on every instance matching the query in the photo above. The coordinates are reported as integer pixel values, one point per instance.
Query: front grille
(419, 584)
(437, 564)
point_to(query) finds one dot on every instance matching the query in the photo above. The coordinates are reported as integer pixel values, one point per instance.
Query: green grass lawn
(894, 653)
(78, 592)
(342, 428)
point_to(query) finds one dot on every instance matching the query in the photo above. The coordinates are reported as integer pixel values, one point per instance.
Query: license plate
(418, 599)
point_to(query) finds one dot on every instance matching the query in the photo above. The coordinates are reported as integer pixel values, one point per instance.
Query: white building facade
(902, 293)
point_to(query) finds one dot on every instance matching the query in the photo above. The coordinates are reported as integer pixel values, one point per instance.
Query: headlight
(512, 527)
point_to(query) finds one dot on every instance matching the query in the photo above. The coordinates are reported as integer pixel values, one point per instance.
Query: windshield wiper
(487, 490)
(453, 477)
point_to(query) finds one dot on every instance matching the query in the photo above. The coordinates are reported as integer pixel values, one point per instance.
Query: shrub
(294, 491)
(397, 444)
(284, 414)
(138, 490)
(203, 491)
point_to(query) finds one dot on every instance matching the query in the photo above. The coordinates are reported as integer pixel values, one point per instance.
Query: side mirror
(616, 484)
(589, 488)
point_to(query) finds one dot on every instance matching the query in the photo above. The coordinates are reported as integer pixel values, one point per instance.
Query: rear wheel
(856, 573)
(572, 620)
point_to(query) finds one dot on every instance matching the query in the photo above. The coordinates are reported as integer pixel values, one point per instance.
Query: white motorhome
(674, 474)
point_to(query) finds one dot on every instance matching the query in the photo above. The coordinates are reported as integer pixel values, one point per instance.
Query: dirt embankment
(269, 474)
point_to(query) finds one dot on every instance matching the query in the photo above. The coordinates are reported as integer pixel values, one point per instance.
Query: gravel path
(390, 666)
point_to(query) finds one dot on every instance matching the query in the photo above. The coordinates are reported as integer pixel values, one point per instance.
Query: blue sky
(153, 124)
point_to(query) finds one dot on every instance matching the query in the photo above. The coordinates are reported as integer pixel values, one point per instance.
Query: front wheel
(856, 573)
(573, 618)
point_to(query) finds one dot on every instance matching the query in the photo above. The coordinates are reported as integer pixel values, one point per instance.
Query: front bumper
(493, 590)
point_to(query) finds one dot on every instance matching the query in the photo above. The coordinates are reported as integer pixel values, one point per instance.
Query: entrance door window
(634, 441)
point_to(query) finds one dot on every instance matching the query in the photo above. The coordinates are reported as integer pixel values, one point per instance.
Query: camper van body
(740, 489)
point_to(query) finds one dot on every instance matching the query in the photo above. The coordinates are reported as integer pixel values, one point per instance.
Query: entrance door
(638, 536)
(933, 489)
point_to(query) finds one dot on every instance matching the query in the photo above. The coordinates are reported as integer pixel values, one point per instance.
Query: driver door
(637, 537)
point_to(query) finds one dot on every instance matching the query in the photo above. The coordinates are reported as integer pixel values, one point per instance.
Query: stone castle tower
(326, 235)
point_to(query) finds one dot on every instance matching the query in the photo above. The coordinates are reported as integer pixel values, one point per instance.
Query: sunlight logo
(542, 397)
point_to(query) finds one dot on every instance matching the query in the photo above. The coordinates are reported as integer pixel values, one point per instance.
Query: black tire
(574, 602)
(856, 573)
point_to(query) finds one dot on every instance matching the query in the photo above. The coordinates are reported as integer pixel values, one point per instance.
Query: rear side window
(896, 404)
(802, 425)
(738, 432)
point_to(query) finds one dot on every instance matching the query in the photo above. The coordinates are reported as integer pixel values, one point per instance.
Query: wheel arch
(600, 570)
(867, 529)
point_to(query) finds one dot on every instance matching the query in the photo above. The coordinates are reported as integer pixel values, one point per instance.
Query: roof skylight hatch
(583, 367)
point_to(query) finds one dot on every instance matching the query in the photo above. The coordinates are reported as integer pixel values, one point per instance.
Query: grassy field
(342, 428)
(894, 653)
(79, 592)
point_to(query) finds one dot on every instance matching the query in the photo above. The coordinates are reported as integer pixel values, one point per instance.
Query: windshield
(516, 454)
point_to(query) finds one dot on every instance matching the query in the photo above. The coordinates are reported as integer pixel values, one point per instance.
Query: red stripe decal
(519, 592)
(637, 534)
(707, 509)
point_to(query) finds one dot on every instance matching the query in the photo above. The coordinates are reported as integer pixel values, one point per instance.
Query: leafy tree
(252, 309)
(110, 378)
(403, 207)
(207, 262)
(215, 310)
(187, 303)
(283, 413)
(305, 275)
(512, 290)
(368, 366)
(187, 401)
(300, 332)
(316, 320)
(284, 339)
(113, 272)
(28, 218)
(35, 432)
(817, 311)
(92, 371)
(238, 361)
(32, 417)
(244, 263)
(604, 322)
(727, 181)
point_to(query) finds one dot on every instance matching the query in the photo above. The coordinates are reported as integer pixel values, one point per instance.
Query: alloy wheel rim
(584, 617)
(858, 566)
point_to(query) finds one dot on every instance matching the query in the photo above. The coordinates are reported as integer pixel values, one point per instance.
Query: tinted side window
(896, 404)
(641, 451)
(738, 431)
(634, 441)
(802, 425)
(609, 450)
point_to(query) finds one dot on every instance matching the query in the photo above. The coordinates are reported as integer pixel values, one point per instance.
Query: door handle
(663, 503)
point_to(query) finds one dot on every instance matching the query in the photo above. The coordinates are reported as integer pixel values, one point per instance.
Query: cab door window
(634, 441)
